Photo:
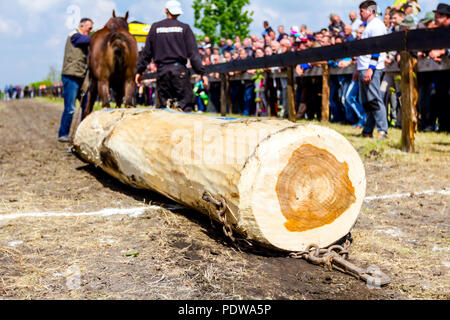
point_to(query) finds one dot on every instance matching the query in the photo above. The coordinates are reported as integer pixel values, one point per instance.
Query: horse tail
(118, 42)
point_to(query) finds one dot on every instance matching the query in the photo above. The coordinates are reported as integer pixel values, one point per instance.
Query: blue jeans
(373, 102)
(200, 104)
(352, 105)
(336, 113)
(72, 87)
(249, 100)
(344, 83)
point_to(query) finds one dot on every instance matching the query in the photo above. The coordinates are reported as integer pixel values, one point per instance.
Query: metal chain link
(336, 257)
(221, 211)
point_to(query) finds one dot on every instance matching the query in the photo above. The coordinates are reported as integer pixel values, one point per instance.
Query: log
(285, 185)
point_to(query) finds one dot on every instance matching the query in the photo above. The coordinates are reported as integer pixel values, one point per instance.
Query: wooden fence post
(325, 93)
(223, 94)
(409, 118)
(291, 94)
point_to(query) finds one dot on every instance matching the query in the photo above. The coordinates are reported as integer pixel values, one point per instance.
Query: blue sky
(33, 33)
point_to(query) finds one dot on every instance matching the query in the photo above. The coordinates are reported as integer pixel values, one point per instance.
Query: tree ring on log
(312, 191)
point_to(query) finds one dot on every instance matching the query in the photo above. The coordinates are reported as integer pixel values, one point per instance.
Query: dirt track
(180, 254)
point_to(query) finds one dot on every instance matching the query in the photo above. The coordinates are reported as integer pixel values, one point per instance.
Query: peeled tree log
(285, 185)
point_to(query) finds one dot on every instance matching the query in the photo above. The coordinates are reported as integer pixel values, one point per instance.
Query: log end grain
(313, 189)
(304, 185)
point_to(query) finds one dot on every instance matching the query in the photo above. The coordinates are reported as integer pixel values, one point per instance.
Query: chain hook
(336, 257)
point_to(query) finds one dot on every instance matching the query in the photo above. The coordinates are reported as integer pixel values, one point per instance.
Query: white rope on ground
(132, 212)
(411, 194)
(136, 212)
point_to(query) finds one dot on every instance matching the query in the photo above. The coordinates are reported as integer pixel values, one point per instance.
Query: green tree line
(222, 18)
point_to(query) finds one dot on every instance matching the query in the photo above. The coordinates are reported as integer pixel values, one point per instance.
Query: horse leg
(103, 88)
(92, 96)
(130, 92)
(118, 96)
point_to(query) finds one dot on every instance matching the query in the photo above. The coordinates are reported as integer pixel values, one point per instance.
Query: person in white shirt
(370, 72)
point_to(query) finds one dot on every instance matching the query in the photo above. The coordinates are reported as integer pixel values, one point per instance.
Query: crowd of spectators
(16, 92)
(11, 92)
(261, 95)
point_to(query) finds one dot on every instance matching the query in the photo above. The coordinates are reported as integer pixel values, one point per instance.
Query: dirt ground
(175, 253)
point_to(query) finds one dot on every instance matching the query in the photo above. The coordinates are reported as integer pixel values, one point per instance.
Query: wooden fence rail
(424, 65)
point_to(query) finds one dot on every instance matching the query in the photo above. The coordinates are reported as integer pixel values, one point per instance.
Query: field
(169, 252)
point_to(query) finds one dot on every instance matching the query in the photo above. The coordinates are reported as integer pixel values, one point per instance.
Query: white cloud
(53, 42)
(99, 11)
(38, 6)
(10, 27)
(429, 5)
(151, 11)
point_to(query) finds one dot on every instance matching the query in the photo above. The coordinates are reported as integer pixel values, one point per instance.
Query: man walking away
(73, 73)
(370, 72)
(170, 44)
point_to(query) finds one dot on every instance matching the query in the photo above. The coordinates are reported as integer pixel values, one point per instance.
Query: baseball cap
(174, 7)
(429, 16)
(443, 8)
(408, 22)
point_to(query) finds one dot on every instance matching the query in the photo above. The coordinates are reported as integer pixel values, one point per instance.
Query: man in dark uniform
(170, 44)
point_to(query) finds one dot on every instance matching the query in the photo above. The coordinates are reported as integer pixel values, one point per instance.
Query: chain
(221, 210)
(319, 256)
(336, 257)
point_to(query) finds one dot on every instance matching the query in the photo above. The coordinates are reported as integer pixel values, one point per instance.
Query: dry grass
(410, 245)
(430, 146)
(117, 258)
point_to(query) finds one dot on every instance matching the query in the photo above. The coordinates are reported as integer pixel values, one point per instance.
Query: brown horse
(112, 64)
